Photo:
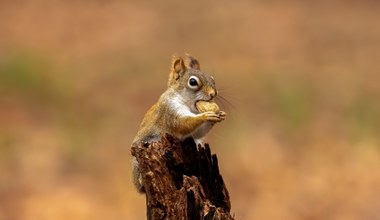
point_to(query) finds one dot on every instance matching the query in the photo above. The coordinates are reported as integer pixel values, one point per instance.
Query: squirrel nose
(213, 93)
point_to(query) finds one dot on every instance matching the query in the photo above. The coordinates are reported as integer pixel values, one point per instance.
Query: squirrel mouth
(205, 100)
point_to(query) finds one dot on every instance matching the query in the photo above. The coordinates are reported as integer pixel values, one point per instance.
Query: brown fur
(175, 112)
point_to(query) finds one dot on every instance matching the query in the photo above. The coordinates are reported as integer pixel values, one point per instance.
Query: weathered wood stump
(182, 181)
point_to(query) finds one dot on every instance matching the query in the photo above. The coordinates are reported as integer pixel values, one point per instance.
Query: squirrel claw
(222, 115)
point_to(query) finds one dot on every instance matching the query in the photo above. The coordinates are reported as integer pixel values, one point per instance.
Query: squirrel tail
(136, 176)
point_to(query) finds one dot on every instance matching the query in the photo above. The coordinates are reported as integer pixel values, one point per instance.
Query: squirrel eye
(193, 82)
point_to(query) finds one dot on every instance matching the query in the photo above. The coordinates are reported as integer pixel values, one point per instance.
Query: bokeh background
(301, 79)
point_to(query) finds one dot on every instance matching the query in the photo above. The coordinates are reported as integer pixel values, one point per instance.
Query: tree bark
(181, 180)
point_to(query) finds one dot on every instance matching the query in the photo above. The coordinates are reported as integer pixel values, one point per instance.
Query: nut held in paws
(204, 106)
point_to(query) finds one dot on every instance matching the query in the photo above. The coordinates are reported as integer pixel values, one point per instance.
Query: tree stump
(181, 180)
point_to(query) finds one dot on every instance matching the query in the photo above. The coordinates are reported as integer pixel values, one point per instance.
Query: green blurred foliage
(293, 102)
(362, 116)
(300, 79)
(26, 76)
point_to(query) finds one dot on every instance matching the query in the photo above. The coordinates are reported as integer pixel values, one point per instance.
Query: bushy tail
(136, 176)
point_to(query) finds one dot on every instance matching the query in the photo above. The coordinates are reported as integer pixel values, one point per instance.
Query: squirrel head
(189, 81)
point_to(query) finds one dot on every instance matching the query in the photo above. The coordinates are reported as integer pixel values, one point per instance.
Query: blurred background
(301, 79)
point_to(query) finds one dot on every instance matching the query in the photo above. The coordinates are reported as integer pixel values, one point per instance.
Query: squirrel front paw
(214, 117)
(222, 115)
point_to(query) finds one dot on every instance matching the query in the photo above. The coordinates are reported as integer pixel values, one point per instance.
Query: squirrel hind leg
(199, 142)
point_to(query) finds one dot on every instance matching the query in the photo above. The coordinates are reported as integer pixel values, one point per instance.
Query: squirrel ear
(177, 69)
(178, 65)
(191, 62)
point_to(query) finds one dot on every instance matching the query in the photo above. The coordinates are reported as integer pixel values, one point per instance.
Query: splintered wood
(182, 181)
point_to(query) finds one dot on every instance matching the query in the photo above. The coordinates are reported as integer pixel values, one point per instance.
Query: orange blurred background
(301, 77)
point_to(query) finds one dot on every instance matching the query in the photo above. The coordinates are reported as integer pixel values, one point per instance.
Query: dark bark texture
(182, 181)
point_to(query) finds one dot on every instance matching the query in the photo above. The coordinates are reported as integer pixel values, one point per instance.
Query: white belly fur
(178, 105)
